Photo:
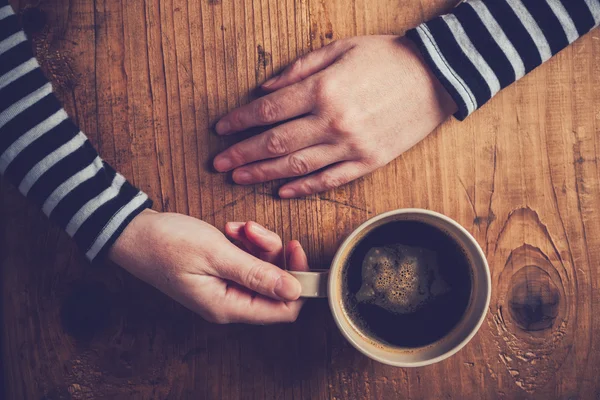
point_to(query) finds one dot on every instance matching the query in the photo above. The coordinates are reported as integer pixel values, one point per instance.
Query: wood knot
(86, 310)
(534, 299)
(534, 314)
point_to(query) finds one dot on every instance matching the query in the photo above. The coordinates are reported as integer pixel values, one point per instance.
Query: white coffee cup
(328, 283)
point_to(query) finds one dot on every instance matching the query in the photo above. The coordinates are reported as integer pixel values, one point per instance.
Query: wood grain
(147, 79)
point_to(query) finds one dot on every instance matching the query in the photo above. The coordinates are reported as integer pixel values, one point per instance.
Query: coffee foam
(354, 318)
(400, 279)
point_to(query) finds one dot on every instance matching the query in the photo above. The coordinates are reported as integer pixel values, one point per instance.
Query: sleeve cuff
(116, 225)
(451, 81)
(483, 46)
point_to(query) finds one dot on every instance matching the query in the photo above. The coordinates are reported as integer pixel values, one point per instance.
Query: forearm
(483, 46)
(49, 159)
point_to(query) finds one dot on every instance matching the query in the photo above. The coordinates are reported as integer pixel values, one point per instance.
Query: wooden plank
(147, 79)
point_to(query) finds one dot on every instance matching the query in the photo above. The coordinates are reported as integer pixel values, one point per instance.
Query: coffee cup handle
(314, 283)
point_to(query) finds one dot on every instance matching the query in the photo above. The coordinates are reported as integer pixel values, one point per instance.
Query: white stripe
(29, 137)
(471, 52)
(70, 184)
(594, 7)
(442, 64)
(49, 161)
(5, 12)
(23, 104)
(500, 37)
(532, 28)
(92, 205)
(565, 20)
(116, 221)
(18, 72)
(12, 41)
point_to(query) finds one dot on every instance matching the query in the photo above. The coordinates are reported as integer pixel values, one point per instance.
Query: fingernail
(223, 126)
(261, 230)
(287, 193)
(235, 226)
(223, 164)
(270, 81)
(288, 288)
(242, 177)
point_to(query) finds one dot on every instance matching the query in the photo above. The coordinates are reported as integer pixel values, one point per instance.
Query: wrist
(441, 101)
(125, 245)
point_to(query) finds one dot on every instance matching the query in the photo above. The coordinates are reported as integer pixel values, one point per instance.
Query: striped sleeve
(482, 46)
(49, 159)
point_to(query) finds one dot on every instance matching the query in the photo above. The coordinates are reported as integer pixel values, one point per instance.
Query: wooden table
(146, 80)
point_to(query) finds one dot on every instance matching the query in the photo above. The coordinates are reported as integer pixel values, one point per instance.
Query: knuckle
(258, 172)
(276, 144)
(335, 45)
(309, 187)
(325, 88)
(266, 111)
(299, 165)
(235, 119)
(329, 181)
(344, 126)
(341, 124)
(255, 277)
(355, 147)
(295, 69)
(237, 154)
(360, 148)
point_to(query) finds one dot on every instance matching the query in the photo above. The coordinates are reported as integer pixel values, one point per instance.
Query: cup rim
(360, 229)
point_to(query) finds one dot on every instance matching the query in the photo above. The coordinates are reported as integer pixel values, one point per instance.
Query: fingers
(225, 303)
(282, 105)
(308, 65)
(299, 163)
(332, 177)
(296, 261)
(235, 231)
(257, 275)
(243, 307)
(292, 97)
(271, 247)
(296, 257)
(258, 240)
(276, 142)
(262, 310)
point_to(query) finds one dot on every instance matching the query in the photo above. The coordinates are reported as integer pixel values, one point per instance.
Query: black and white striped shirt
(483, 46)
(49, 159)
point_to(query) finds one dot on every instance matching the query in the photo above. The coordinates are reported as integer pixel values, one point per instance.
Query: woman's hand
(195, 264)
(353, 106)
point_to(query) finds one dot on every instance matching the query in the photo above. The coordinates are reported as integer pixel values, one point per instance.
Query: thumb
(259, 276)
(308, 65)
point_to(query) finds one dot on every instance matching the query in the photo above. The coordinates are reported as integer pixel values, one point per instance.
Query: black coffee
(406, 284)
